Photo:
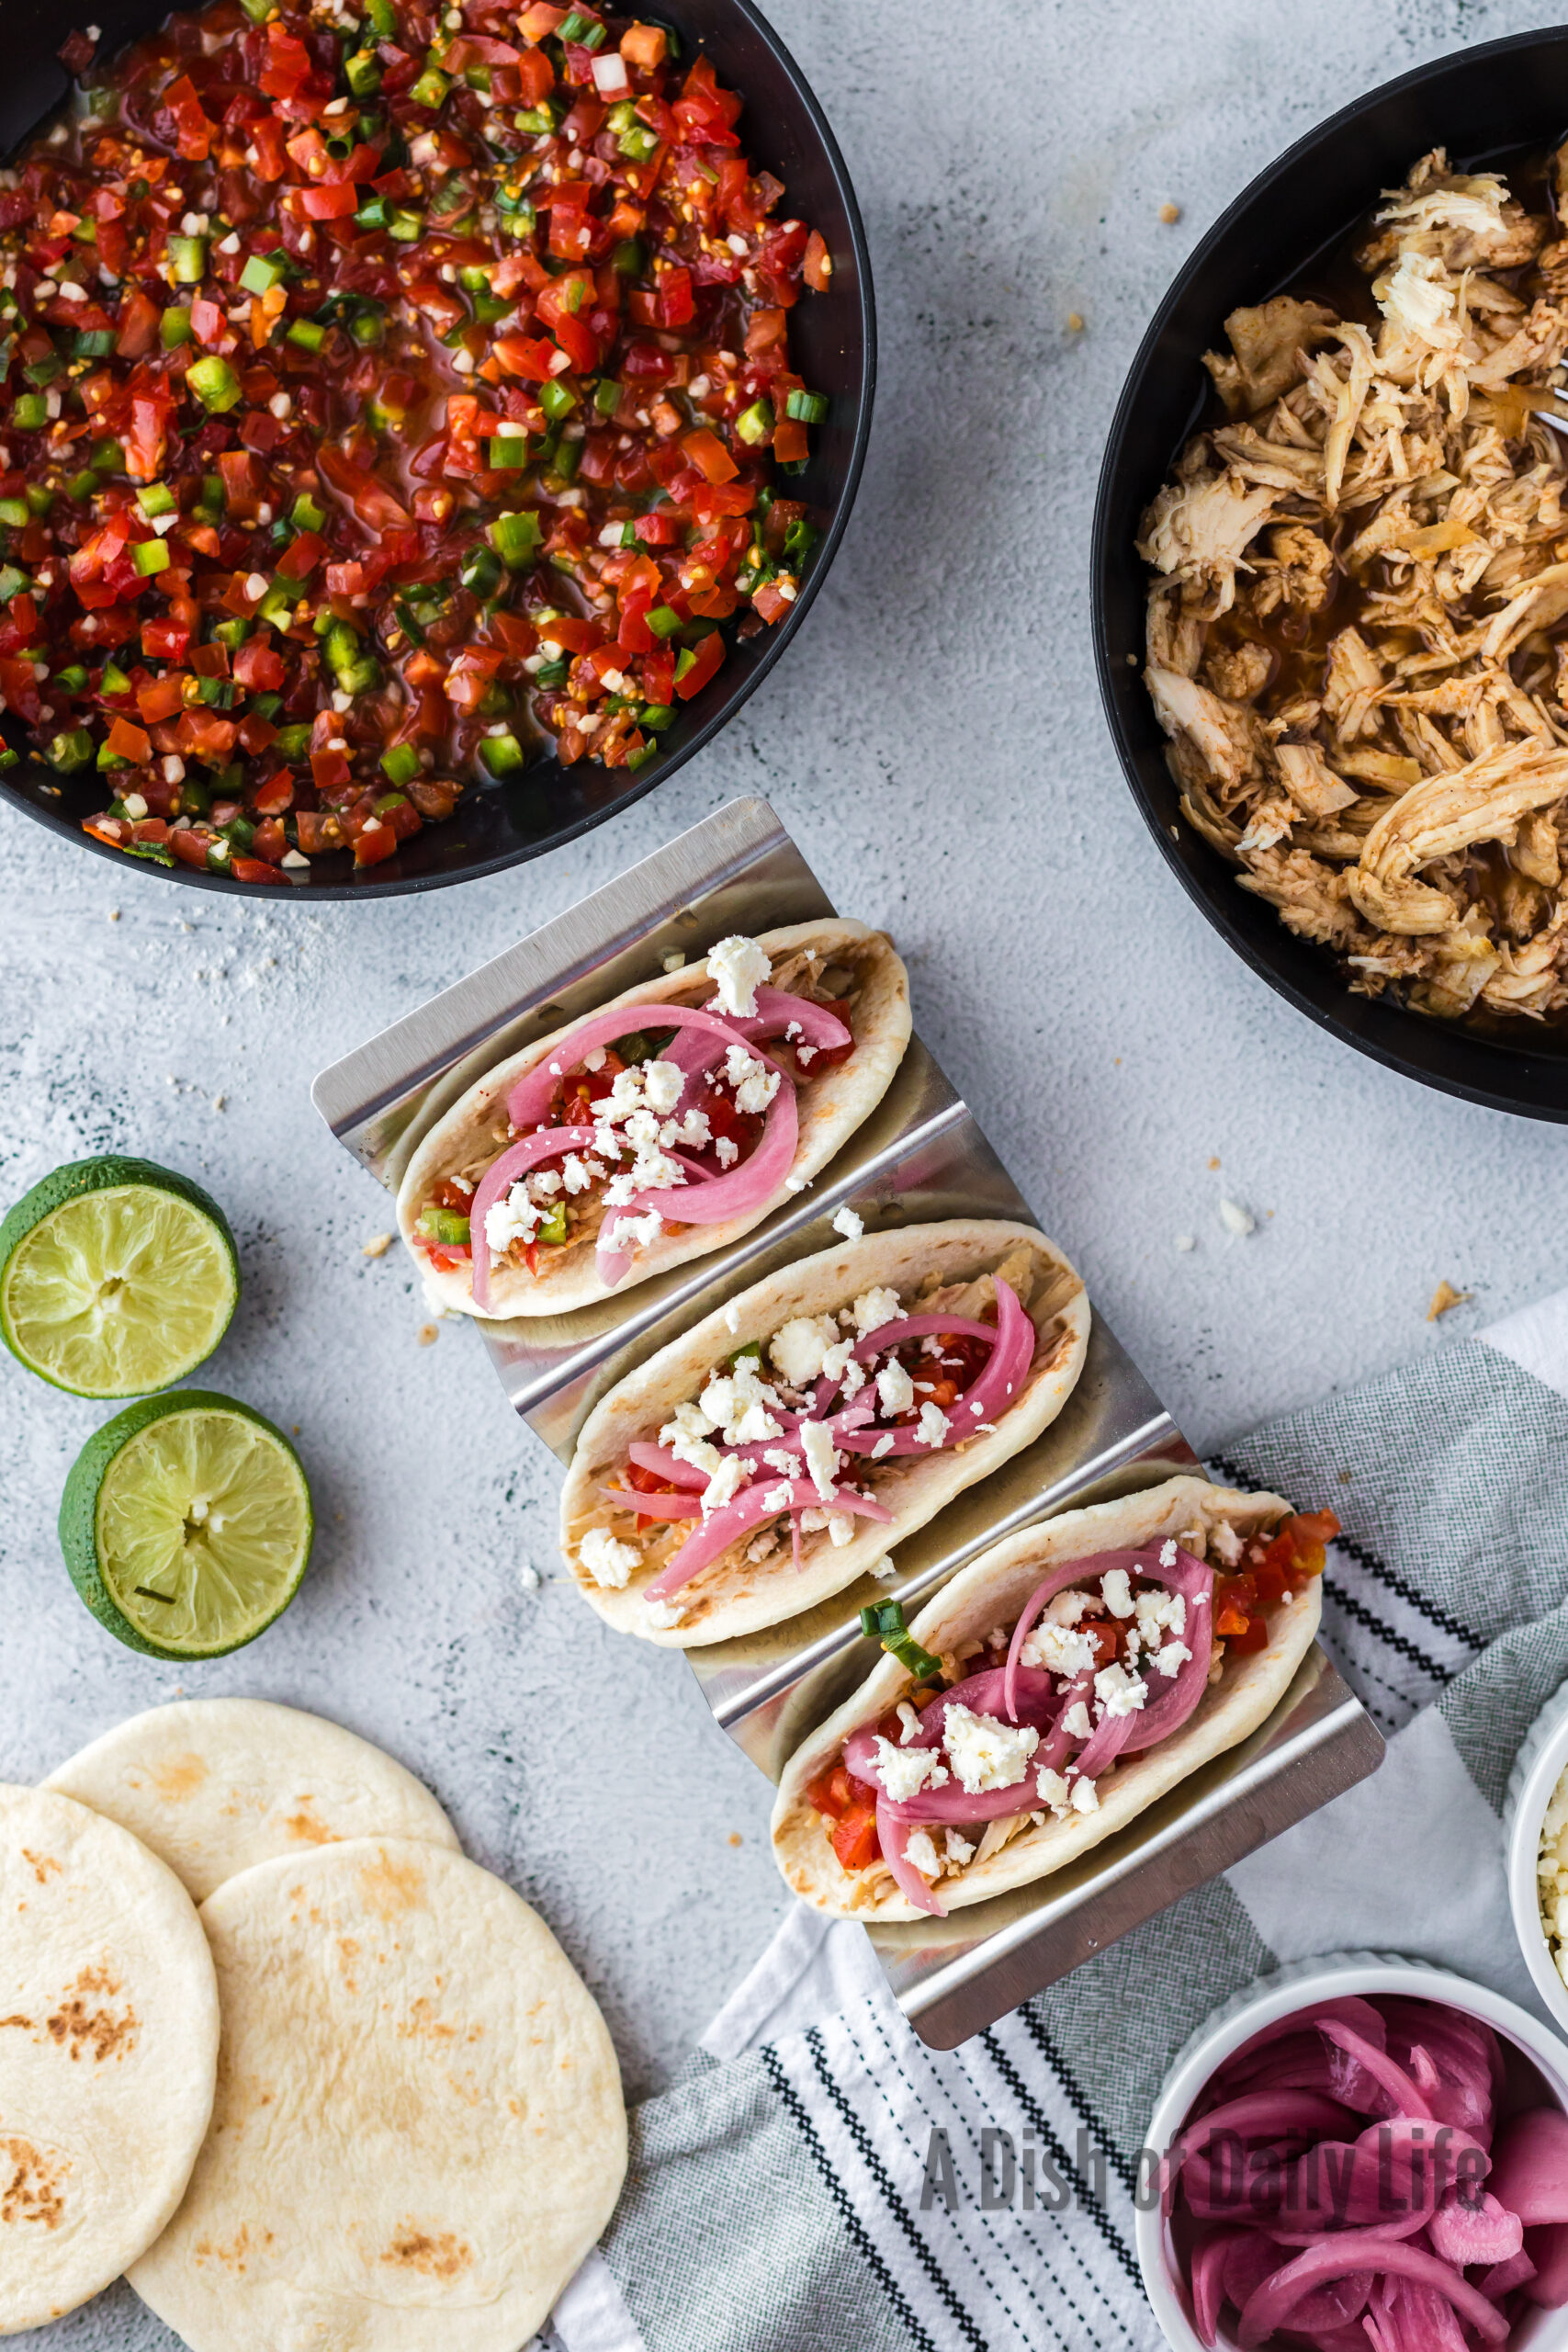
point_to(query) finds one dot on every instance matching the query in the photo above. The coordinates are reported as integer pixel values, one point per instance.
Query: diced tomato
(163, 640)
(375, 842)
(161, 697)
(277, 794)
(792, 443)
(855, 1840)
(190, 843)
(255, 869)
(709, 657)
(818, 266)
(138, 322)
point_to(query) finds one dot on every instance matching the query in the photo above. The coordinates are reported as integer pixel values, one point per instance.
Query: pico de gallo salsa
(389, 394)
(1016, 1720)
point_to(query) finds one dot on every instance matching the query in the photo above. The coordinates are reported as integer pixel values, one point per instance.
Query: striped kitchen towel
(814, 2182)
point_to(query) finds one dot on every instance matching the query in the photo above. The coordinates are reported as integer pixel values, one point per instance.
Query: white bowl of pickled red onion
(1540, 1764)
(1358, 2104)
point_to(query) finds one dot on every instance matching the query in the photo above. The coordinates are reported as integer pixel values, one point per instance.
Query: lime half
(116, 1277)
(185, 1524)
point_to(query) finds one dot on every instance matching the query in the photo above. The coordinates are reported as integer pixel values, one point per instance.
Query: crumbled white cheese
(663, 1613)
(821, 1457)
(895, 1389)
(1076, 1721)
(677, 955)
(737, 968)
(752, 1083)
(739, 1402)
(1236, 1219)
(840, 1528)
(959, 1850)
(1086, 1797)
(910, 1722)
(847, 1223)
(905, 1771)
(885, 1446)
(923, 1854)
(797, 1348)
(787, 1464)
(1116, 1588)
(725, 1483)
(1119, 1692)
(874, 1308)
(1054, 1789)
(1161, 1612)
(931, 1428)
(1070, 1608)
(1172, 1658)
(608, 1561)
(662, 1084)
(513, 1218)
(883, 1570)
(1226, 1542)
(986, 1753)
(1057, 1649)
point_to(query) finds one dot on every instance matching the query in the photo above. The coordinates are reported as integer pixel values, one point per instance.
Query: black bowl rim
(1491, 1095)
(779, 640)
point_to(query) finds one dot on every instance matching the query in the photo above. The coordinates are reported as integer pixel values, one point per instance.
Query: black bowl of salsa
(1498, 105)
(790, 170)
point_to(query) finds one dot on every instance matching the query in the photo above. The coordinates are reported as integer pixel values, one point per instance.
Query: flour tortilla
(736, 1595)
(992, 1591)
(109, 2052)
(473, 1131)
(419, 2130)
(216, 1785)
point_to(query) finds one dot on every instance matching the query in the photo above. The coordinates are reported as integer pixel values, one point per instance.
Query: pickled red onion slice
(1270, 2306)
(653, 1506)
(530, 1099)
(750, 1509)
(1012, 1351)
(894, 1836)
(498, 1179)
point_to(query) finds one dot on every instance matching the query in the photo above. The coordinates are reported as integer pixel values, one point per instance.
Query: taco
(777, 1451)
(1059, 1686)
(660, 1128)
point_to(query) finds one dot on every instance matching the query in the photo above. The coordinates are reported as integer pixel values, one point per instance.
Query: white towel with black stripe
(819, 2181)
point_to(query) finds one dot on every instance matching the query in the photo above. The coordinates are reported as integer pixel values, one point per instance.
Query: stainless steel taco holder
(921, 1155)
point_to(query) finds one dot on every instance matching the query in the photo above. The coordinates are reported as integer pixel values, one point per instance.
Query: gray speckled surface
(935, 743)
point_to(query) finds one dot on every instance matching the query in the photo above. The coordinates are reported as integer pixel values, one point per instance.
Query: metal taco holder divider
(919, 1157)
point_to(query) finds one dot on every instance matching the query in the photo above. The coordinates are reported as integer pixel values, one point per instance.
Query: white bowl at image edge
(1538, 1768)
(1280, 1995)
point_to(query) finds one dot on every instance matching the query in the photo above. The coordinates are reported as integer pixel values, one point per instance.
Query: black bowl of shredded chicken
(1332, 563)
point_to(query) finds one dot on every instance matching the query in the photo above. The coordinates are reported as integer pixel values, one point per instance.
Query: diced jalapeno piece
(400, 762)
(29, 412)
(430, 88)
(215, 385)
(261, 272)
(362, 71)
(306, 515)
(306, 335)
(481, 572)
(156, 498)
(657, 715)
(150, 556)
(516, 539)
(69, 750)
(188, 259)
(175, 329)
(537, 120)
(557, 399)
(756, 422)
(663, 620)
(93, 343)
(552, 1229)
(444, 1225)
(606, 396)
(502, 754)
(15, 513)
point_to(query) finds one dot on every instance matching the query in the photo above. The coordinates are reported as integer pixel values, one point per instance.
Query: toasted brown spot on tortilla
(85, 2025)
(232, 2256)
(391, 1887)
(432, 2258)
(44, 1866)
(179, 1778)
(308, 1827)
(30, 2185)
(26, 2023)
(423, 2021)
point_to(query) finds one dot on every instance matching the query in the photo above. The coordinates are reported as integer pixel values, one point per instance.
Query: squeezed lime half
(116, 1277)
(186, 1524)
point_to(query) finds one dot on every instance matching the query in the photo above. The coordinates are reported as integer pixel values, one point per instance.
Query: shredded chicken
(1358, 626)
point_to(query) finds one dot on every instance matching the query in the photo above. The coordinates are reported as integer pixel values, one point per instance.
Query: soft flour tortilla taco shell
(215, 1786)
(474, 1132)
(109, 2052)
(993, 1591)
(419, 2130)
(736, 1595)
